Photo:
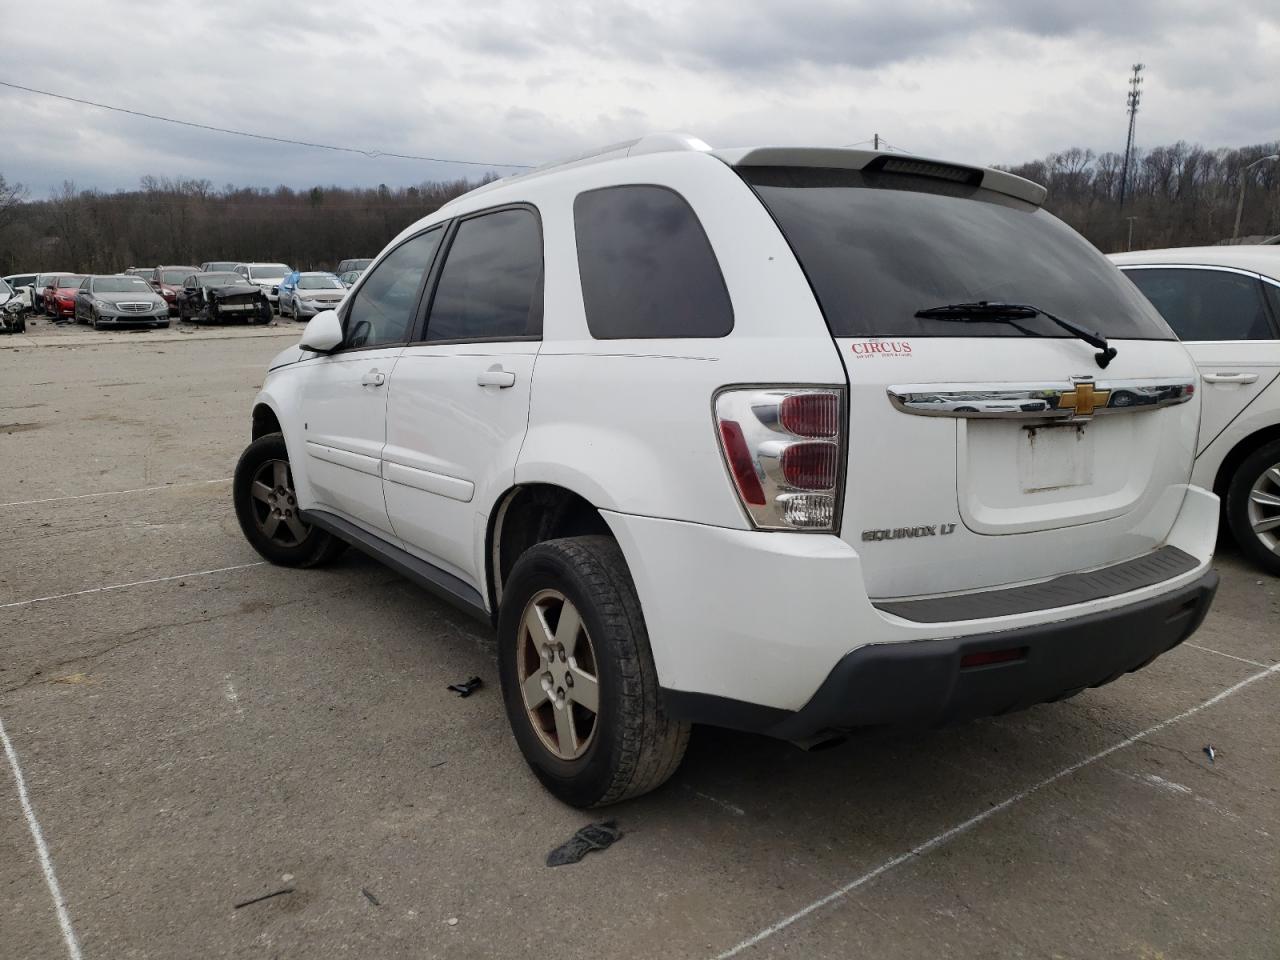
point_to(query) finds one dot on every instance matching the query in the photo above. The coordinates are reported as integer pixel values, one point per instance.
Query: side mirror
(323, 333)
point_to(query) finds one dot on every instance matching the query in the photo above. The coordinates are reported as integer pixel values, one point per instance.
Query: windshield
(219, 279)
(69, 280)
(220, 265)
(357, 264)
(319, 283)
(120, 285)
(877, 247)
(175, 277)
(268, 271)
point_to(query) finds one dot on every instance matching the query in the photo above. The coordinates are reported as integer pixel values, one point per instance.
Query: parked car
(42, 282)
(1224, 302)
(309, 293)
(113, 301)
(13, 310)
(349, 277)
(167, 281)
(360, 264)
(23, 287)
(59, 295)
(146, 273)
(716, 501)
(266, 276)
(218, 266)
(222, 296)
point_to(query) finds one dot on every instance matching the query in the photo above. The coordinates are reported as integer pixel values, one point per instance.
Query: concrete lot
(195, 739)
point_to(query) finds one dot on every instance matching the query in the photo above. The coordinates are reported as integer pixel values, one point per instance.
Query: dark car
(119, 300)
(167, 281)
(60, 294)
(222, 296)
(361, 264)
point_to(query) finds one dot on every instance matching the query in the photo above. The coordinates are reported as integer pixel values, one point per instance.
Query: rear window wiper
(997, 312)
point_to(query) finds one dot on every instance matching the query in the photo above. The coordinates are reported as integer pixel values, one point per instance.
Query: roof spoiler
(840, 159)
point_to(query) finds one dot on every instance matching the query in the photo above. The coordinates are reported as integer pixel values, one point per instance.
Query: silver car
(114, 301)
(310, 293)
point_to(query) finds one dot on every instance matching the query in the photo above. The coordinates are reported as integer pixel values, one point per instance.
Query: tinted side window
(1207, 304)
(647, 267)
(383, 309)
(491, 284)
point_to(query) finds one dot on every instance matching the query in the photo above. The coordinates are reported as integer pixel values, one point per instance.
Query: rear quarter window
(647, 267)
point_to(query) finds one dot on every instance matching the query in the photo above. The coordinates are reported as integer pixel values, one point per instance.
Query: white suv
(764, 438)
(1224, 302)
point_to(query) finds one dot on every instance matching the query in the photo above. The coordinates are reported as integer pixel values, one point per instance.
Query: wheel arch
(527, 514)
(265, 421)
(1237, 454)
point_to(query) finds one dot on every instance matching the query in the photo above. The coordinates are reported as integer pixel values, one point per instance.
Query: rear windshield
(877, 247)
(269, 270)
(69, 280)
(319, 283)
(175, 277)
(219, 279)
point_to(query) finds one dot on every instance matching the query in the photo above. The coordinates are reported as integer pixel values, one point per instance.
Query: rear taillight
(784, 448)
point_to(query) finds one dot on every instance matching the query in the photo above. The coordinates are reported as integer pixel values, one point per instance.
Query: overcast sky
(990, 81)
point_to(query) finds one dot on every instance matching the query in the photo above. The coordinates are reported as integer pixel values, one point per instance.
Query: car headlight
(102, 305)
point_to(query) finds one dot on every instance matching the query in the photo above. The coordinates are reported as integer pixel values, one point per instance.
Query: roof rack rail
(652, 143)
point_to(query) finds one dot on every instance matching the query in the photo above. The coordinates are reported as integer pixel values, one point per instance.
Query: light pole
(1130, 219)
(1235, 234)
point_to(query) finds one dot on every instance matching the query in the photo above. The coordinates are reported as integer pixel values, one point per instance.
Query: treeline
(189, 221)
(1177, 195)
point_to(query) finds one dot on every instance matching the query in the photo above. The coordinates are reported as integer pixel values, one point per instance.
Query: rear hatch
(984, 451)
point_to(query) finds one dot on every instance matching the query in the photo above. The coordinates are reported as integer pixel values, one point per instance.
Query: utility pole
(1235, 234)
(1130, 219)
(876, 138)
(1135, 95)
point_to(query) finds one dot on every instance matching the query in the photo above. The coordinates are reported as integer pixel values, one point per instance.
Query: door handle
(374, 379)
(495, 376)
(1230, 377)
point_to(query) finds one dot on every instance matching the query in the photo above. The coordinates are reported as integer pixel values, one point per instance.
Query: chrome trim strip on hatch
(1081, 398)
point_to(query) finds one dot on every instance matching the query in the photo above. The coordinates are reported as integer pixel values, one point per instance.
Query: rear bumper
(926, 683)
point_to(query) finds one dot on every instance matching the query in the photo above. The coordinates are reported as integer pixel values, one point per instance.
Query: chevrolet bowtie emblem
(1084, 399)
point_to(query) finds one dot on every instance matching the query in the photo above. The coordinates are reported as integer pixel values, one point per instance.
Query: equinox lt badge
(905, 533)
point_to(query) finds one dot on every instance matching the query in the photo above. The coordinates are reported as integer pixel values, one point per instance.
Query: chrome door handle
(495, 376)
(1231, 377)
(374, 379)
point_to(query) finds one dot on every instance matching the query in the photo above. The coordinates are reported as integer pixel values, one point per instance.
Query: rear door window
(878, 246)
(490, 287)
(1202, 304)
(647, 267)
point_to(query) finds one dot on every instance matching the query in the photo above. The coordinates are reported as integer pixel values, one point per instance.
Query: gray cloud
(504, 80)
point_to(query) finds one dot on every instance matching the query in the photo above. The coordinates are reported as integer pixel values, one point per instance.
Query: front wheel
(267, 508)
(578, 679)
(1253, 506)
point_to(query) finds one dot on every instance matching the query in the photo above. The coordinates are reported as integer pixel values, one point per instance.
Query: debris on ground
(370, 897)
(265, 896)
(1210, 752)
(452, 921)
(594, 836)
(467, 688)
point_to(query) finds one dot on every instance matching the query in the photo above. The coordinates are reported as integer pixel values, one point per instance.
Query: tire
(632, 746)
(298, 544)
(97, 325)
(1253, 498)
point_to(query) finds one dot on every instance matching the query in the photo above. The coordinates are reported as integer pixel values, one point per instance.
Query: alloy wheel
(558, 676)
(1264, 508)
(275, 504)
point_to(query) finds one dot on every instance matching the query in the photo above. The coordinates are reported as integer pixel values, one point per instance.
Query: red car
(60, 294)
(167, 281)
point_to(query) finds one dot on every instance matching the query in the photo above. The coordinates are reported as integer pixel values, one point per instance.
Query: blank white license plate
(238, 306)
(1054, 457)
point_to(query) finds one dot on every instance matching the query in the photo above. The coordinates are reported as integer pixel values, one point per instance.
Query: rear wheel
(1253, 506)
(578, 680)
(267, 508)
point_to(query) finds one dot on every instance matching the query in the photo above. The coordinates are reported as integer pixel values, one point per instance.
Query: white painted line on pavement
(1229, 656)
(115, 493)
(987, 814)
(42, 851)
(134, 583)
